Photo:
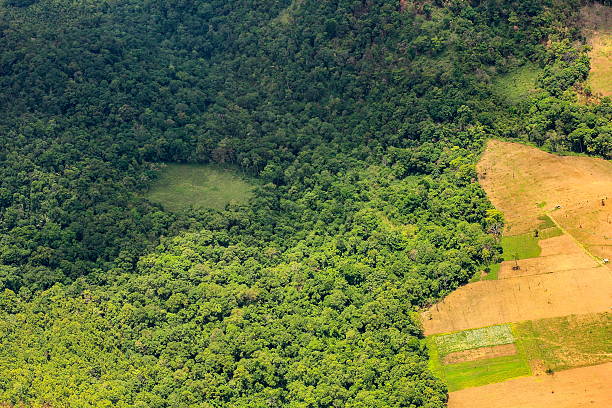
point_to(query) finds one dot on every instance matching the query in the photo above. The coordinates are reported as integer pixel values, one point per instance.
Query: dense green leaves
(363, 123)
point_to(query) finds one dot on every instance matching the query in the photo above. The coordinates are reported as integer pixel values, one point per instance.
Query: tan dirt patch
(561, 245)
(546, 264)
(488, 303)
(481, 353)
(518, 177)
(576, 388)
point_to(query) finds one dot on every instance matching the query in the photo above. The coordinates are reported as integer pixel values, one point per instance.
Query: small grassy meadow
(516, 85)
(183, 186)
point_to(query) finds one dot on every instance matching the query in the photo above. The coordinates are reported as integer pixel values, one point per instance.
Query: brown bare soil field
(532, 297)
(546, 264)
(561, 245)
(481, 353)
(576, 388)
(524, 182)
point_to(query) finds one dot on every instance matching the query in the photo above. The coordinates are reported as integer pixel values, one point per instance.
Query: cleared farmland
(576, 388)
(486, 303)
(553, 289)
(576, 192)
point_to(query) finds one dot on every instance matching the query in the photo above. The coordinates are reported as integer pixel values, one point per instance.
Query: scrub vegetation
(566, 342)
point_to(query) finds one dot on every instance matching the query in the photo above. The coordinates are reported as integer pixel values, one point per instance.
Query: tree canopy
(363, 121)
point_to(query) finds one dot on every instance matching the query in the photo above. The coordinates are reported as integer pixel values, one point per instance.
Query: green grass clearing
(482, 372)
(182, 186)
(567, 342)
(520, 247)
(515, 86)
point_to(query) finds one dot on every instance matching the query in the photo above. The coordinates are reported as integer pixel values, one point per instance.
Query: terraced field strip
(475, 357)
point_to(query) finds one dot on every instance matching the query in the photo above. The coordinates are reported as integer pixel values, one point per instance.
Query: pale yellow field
(569, 278)
(486, 303)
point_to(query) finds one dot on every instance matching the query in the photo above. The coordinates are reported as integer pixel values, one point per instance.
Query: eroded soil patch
(482, 353)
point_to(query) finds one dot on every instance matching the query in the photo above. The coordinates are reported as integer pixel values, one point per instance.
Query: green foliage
(492, 272)
(184, 186)
(363, 125)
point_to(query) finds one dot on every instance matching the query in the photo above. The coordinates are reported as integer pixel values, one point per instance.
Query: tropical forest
(305, 204)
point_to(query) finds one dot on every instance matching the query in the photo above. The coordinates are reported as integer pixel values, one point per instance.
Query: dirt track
(576, 388)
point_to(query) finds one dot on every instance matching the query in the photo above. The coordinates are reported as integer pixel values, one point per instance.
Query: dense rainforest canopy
(362, 119)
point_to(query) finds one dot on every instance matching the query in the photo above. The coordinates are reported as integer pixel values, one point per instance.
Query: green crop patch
(475, 338)
(566, 342)
(183, 186)
(479, 372)
(520, 247)
(482, 372)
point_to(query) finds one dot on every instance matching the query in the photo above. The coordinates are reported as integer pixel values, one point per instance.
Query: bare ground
(576, 192)
(532, 297)
(546, 264)
(576, 388)
(481, 353)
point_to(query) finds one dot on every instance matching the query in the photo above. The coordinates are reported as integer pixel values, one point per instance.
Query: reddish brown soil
(481, 353)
